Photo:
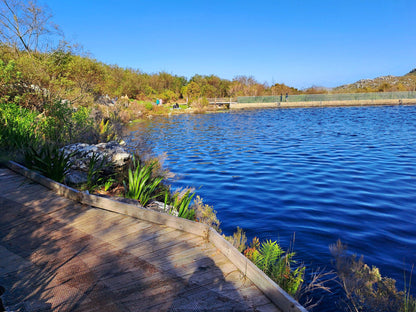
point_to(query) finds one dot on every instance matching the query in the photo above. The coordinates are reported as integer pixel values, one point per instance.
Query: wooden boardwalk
(56, 254)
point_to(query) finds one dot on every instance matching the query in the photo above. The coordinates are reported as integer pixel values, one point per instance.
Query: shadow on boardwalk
(62, 256)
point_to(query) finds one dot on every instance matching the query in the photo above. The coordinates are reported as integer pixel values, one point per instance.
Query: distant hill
(381, 84)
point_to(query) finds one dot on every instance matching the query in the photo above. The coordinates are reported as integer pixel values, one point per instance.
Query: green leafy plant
(181, 203)
(141, 184)
(17, 127)
(276, 263)
(11, 85)
(95, 174)
(106, 131)
(166, 199)
(108, 184)
(48, 160)
(148, 106)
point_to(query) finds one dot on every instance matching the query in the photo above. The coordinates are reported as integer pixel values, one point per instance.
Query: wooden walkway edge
(170, 226)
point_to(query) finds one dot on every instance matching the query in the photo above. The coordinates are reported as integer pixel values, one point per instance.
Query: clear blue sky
(299, 43)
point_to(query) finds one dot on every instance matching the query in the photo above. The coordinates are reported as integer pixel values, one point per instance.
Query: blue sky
(299, 43)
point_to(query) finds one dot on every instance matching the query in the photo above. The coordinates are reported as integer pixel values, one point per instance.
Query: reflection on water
(322, 173)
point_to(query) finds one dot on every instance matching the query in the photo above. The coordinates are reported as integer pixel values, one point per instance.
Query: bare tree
(25, 25)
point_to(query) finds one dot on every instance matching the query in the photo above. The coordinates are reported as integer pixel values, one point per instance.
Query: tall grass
(409, 303)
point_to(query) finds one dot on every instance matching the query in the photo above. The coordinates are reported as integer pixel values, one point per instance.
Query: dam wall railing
(328, 97)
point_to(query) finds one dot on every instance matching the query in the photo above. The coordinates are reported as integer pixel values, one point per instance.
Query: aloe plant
(141, 185)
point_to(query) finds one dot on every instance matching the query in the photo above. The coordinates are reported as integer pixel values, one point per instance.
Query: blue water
(319, 174)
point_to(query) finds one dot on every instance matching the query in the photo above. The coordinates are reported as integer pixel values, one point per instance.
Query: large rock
(82, 154)
(106, 100)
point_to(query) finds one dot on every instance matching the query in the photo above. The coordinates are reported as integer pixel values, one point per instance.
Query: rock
(106, 100)
(82, 154)
(160, 207)
(76, 177)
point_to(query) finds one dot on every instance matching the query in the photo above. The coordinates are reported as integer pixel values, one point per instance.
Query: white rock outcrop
(82, 153)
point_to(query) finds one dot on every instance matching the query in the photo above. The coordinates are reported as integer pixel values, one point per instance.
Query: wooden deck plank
(202, 268)
(66, 256)
(16, 214)
(153, 240)
(11, 262)
(46, 204)
(8, 177)
(270, 307)
(144, 236)
(163, 239)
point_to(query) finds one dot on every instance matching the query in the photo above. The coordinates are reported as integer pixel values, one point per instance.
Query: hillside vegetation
(82, 79)
(381, 84)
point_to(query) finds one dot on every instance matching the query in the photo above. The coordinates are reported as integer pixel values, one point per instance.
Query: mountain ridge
(391, 83)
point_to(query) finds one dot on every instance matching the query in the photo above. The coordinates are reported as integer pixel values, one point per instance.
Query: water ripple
(322, 174)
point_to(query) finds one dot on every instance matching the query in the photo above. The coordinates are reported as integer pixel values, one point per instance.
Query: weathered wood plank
(270, 307)
(10, 262)
(94, 220)
(176, 253)
(14, 214)
(150, 266)
(145, 214)
(124, 232)
(8, 177)
(162, 242)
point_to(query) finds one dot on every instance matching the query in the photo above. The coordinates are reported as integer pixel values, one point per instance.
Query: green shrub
(238, 239)
(276, 263)
(64, 124)
(364, 288)
(168, 96)
(181, 202)
(148, 106)
(10, 81)
(49, 160)
(17, 127)
(141, 184)
(206, 214)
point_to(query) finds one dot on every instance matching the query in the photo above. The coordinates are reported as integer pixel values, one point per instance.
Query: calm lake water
(319, 174)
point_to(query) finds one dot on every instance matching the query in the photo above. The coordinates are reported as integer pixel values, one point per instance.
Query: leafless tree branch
(25, 25)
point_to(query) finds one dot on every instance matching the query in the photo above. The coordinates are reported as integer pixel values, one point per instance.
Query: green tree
(192, 91)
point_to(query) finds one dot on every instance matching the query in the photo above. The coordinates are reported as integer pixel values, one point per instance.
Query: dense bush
(365, 289)
(59, 123)
(18, 127)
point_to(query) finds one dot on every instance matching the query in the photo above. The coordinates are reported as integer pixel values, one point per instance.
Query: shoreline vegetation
(53, 97)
